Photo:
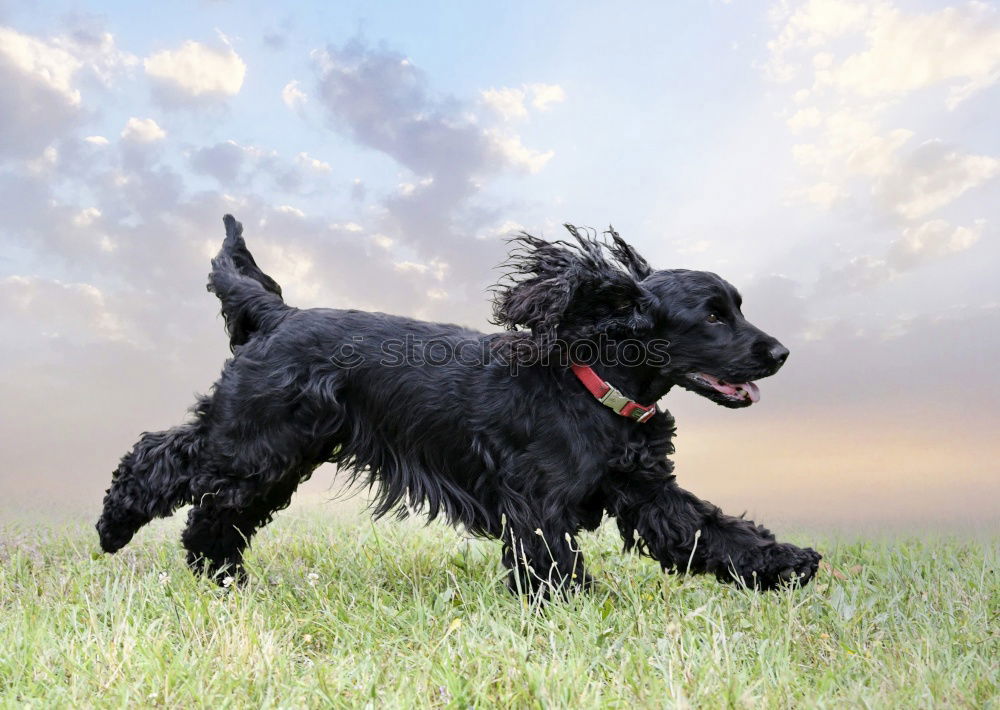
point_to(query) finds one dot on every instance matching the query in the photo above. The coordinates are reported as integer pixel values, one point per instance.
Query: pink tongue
(751, 389)
(725, 389)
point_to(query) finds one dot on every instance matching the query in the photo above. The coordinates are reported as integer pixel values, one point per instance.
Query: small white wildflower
(227, 581)
(313, 578)
(538, 531)
(307, 638)
(164, 577)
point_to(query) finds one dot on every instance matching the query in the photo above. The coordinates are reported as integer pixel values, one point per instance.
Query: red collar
(611, 397)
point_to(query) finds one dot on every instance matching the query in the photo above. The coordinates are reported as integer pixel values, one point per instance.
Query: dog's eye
(712, 318)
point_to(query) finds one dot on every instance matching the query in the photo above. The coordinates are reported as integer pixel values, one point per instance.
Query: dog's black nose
(778, 353)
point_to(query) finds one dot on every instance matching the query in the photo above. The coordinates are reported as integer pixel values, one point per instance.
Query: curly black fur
(526, 456)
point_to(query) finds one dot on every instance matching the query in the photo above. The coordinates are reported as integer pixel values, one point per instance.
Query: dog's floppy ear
(571, 290)
(627, 256)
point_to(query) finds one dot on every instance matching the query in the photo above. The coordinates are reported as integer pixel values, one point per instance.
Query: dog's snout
(778, 353)
(769, 354)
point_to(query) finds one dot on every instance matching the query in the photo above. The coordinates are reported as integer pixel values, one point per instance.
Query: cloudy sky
(838, 161)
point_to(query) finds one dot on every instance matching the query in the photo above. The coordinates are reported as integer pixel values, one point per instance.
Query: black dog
(495, 431)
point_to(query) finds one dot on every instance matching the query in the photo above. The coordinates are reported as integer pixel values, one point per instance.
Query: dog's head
(567, 292)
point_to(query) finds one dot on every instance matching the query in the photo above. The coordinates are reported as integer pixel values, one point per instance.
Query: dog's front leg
(685, 533)
(543, 561)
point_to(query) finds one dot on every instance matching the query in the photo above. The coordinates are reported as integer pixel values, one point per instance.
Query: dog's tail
(251, 300)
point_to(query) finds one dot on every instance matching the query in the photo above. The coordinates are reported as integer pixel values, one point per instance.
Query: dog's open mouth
(746, 392)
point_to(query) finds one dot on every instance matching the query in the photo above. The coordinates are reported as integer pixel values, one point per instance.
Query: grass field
(350, 614)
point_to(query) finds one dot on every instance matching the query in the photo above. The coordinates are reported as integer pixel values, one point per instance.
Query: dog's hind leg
(219, 527)
(687, 534)
(150, 482)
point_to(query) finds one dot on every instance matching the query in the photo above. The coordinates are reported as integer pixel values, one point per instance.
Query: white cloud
(233, 164)
(956, 45)
(501, 231)
(435, 268)
(821, 194)
(288, 209)
(931, 240)
(910, 184)
(95, 48)
(143, 130)
(406, 188)
(805, 118)
(384, 102)
(196, 71)
(916, 246)
(876, 155)
(544, 95)
(44, 162)
(307, 161)
(811, 24)
(849, 144)
(96, 140)
(293, 96)
(76, 312)
(517, 154)
(852, 90)
(931, 177)
(410, 266)
(291, 266)
(86, 216)
(45, 62)
(507, 102)
(38, 100)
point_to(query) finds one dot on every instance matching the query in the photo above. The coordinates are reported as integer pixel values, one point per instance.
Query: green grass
(350, 614)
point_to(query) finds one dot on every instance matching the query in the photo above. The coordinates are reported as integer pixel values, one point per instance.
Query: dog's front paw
(777, 565)
(224, 573)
